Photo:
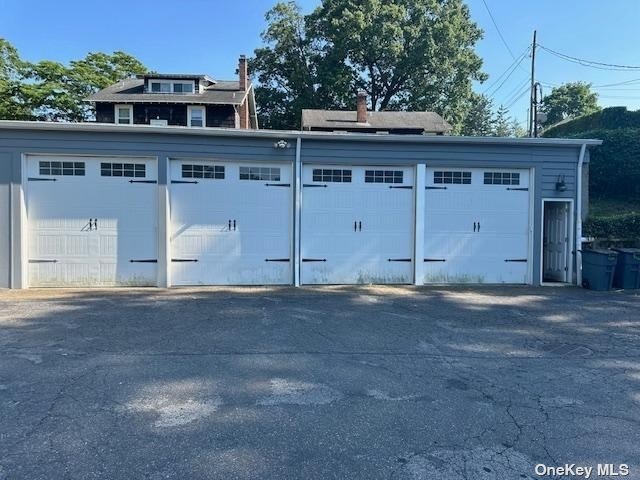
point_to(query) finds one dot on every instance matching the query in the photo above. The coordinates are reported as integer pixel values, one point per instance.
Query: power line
(590, 63)
(517, 60)
(522, 94)
(616, 84)
(516, 91)
(498, 29)
(511, 70)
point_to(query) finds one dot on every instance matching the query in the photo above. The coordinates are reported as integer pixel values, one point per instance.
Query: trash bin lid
(630, 251)
(601, 251)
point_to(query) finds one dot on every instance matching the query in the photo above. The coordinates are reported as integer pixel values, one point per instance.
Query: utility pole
(532, 99)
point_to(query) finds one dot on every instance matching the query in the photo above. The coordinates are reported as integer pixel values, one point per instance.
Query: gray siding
(149, 144)
(5, 219)
(549, 161)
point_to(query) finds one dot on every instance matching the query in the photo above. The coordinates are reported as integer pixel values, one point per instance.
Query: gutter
(290, 134)
(578, 241)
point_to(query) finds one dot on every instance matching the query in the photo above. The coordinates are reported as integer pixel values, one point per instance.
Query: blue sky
(207, 36)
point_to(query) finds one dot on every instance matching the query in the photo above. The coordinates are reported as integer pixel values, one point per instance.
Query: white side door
(230, 223)
(357, 225)
(476, 225)
(555, 241)
(92, 221)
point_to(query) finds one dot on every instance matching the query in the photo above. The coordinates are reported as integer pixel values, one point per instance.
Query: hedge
(614, 168)
(611, 118)
(624, 226)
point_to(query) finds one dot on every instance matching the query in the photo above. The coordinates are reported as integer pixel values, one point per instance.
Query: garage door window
(383, 176)
(122, 169)
(260, 173)
(62, 168)
(455, 178)
(203, 171)
(331, 175)
(501, 178)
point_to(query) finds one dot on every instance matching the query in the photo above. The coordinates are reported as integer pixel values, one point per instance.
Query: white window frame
(171, 84)
(190, 109)
(116, 114)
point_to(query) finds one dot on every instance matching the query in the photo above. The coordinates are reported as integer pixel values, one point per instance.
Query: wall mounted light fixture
(281, 144)
(561, 185)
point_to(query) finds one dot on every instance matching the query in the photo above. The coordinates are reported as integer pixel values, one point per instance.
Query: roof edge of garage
(279, 134)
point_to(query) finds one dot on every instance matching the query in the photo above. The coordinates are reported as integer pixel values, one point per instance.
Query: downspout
(578, 241)
(297, 207)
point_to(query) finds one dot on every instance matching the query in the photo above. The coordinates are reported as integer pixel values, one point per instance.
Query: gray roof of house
(131, 90)
(346, 120)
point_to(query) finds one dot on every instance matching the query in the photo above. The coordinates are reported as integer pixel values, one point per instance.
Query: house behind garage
(110, 205)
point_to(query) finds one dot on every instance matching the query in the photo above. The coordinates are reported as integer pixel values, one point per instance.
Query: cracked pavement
(334, 382)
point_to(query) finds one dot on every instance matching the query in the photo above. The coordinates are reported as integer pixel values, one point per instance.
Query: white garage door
(476, 225)
(92, 221)
(230, 223)
(357, 224)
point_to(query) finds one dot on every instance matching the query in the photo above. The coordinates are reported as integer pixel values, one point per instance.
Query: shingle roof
(346, 120)
(131, 90)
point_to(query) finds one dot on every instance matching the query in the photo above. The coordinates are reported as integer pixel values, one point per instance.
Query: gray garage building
(109, 205)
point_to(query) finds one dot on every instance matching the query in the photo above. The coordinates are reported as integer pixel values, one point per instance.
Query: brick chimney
(361, 113)
(242, 73)
(243, 79)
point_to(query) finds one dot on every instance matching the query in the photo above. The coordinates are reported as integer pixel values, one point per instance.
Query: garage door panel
(231, 225)
(350, 230)
(344, 269)
(470, 269)
(478, 231)
(90, 224)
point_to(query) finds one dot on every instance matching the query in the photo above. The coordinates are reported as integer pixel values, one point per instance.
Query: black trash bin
(628, 268)
(598, 267)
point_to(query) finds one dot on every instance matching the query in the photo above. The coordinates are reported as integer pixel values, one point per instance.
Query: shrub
(614, 169)
(611, 118)
(622, 226)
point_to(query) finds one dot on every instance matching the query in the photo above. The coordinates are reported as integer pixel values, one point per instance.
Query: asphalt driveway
(323, 383)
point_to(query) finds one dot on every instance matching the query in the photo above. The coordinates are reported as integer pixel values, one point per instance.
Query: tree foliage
(570, 100)
(12, 75)
(406, 54)
(49, 90)
(482, 121)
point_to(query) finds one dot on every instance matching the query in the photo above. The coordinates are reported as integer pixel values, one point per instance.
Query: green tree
(13, 105)
(570, 100)
(479, 120)
(406, 54)
(56, 92)
(503, 124)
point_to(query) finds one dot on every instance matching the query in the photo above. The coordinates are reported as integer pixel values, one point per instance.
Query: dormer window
(171, 86)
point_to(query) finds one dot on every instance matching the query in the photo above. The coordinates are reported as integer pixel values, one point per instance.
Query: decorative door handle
(95, 224)
(229, 225)
(474, 226)
(355, 226)
(359, 226)
(234, 225)
(478, 226)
